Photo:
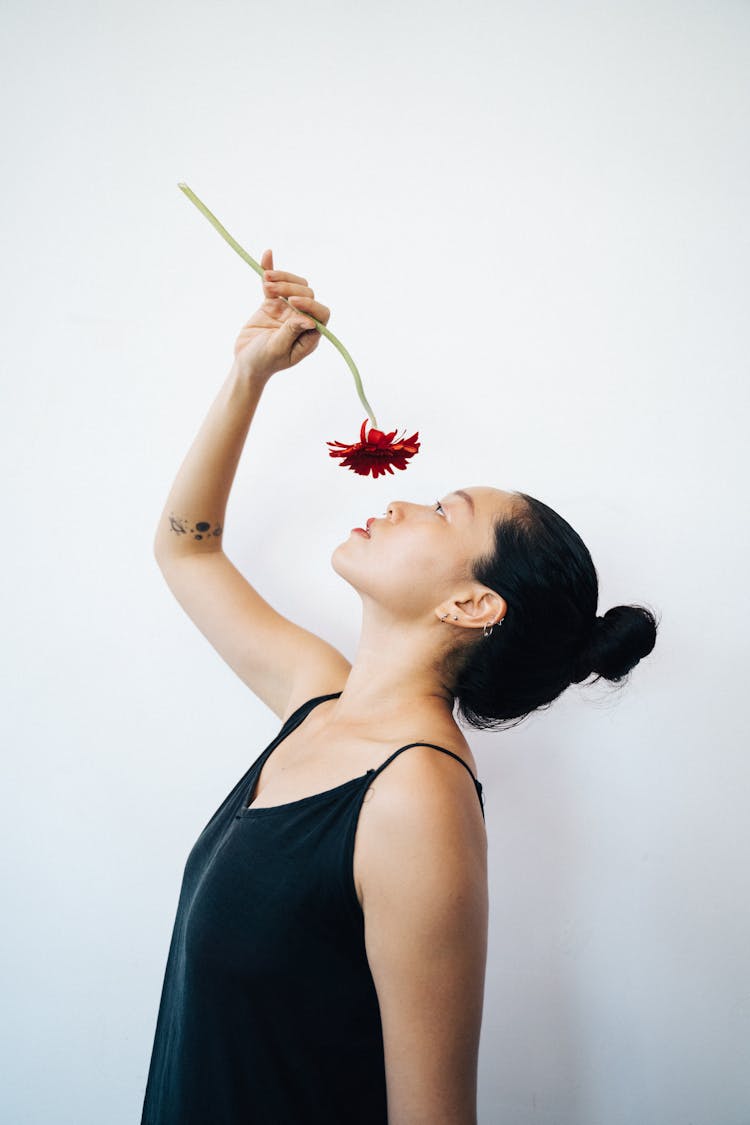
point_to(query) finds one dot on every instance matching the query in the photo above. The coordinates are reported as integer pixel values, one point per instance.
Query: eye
(439, 506)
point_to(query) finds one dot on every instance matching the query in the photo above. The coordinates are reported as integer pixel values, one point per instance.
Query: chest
(306, 763)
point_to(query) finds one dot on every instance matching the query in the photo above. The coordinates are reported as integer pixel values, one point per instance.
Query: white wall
(530, 222)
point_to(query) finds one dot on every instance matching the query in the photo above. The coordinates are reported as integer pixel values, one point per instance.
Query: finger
(285, 288)
(309, 305)
(297, 327)
(298, 308)
(286, 277)
(303, 325)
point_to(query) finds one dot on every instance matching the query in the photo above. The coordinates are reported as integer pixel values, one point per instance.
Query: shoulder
(425, 805)
(424, 789)
(422, 765)
(423, 852)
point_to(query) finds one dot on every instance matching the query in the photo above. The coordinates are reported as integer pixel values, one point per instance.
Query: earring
(492, 626)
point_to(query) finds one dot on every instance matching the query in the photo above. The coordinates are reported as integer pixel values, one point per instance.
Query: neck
(393, 675)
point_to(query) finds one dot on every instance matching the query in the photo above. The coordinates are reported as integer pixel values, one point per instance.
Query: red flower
(376, 453)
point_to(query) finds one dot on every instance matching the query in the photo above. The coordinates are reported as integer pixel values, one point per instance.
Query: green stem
(259, 270)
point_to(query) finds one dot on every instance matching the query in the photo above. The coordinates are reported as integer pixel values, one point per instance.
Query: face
(418, 555)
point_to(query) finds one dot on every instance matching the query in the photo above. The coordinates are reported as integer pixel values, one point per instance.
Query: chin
(341, 563)
(336, 562)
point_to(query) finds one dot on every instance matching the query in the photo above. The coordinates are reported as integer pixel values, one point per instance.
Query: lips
(365, 530)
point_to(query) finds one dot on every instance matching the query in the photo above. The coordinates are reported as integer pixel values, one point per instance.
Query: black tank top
(268, 1012)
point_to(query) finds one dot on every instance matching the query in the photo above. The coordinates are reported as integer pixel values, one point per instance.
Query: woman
(328, 956)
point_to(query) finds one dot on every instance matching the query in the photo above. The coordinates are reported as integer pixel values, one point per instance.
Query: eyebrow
(465, 496)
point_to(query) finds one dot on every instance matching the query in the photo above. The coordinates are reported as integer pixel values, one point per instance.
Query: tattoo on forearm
(201, 530)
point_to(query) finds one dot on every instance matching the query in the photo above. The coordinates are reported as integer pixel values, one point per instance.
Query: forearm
(193, 518)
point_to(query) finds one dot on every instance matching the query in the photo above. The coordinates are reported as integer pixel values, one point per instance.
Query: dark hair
(551, 636)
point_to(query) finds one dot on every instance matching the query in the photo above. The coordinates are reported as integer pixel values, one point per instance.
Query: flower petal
(375, 452)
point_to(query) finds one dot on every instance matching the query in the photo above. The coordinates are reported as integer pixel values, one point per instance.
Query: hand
(278, 335)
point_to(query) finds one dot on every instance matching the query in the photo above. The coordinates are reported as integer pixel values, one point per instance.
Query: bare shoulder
(427, 761)
(424, 802)
(426, 807)
(424, 784)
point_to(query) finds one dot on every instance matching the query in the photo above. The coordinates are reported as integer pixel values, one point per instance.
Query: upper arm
(425, 903)
(278, 660)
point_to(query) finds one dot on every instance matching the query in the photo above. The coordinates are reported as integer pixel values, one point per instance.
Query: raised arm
(272, 655)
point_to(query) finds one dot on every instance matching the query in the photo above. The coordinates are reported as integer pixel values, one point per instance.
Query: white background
(530, 222)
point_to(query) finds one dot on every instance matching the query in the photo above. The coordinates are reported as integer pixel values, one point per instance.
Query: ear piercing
(485, 633)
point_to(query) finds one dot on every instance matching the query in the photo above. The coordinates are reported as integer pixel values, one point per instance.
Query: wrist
(249, 374)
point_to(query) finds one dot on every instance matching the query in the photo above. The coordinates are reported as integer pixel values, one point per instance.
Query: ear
(479, 607)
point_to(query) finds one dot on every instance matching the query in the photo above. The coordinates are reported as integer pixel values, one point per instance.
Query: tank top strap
(372, 774)
(301, 713)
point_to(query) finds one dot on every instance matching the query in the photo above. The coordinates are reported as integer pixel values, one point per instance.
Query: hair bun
(622, 637)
